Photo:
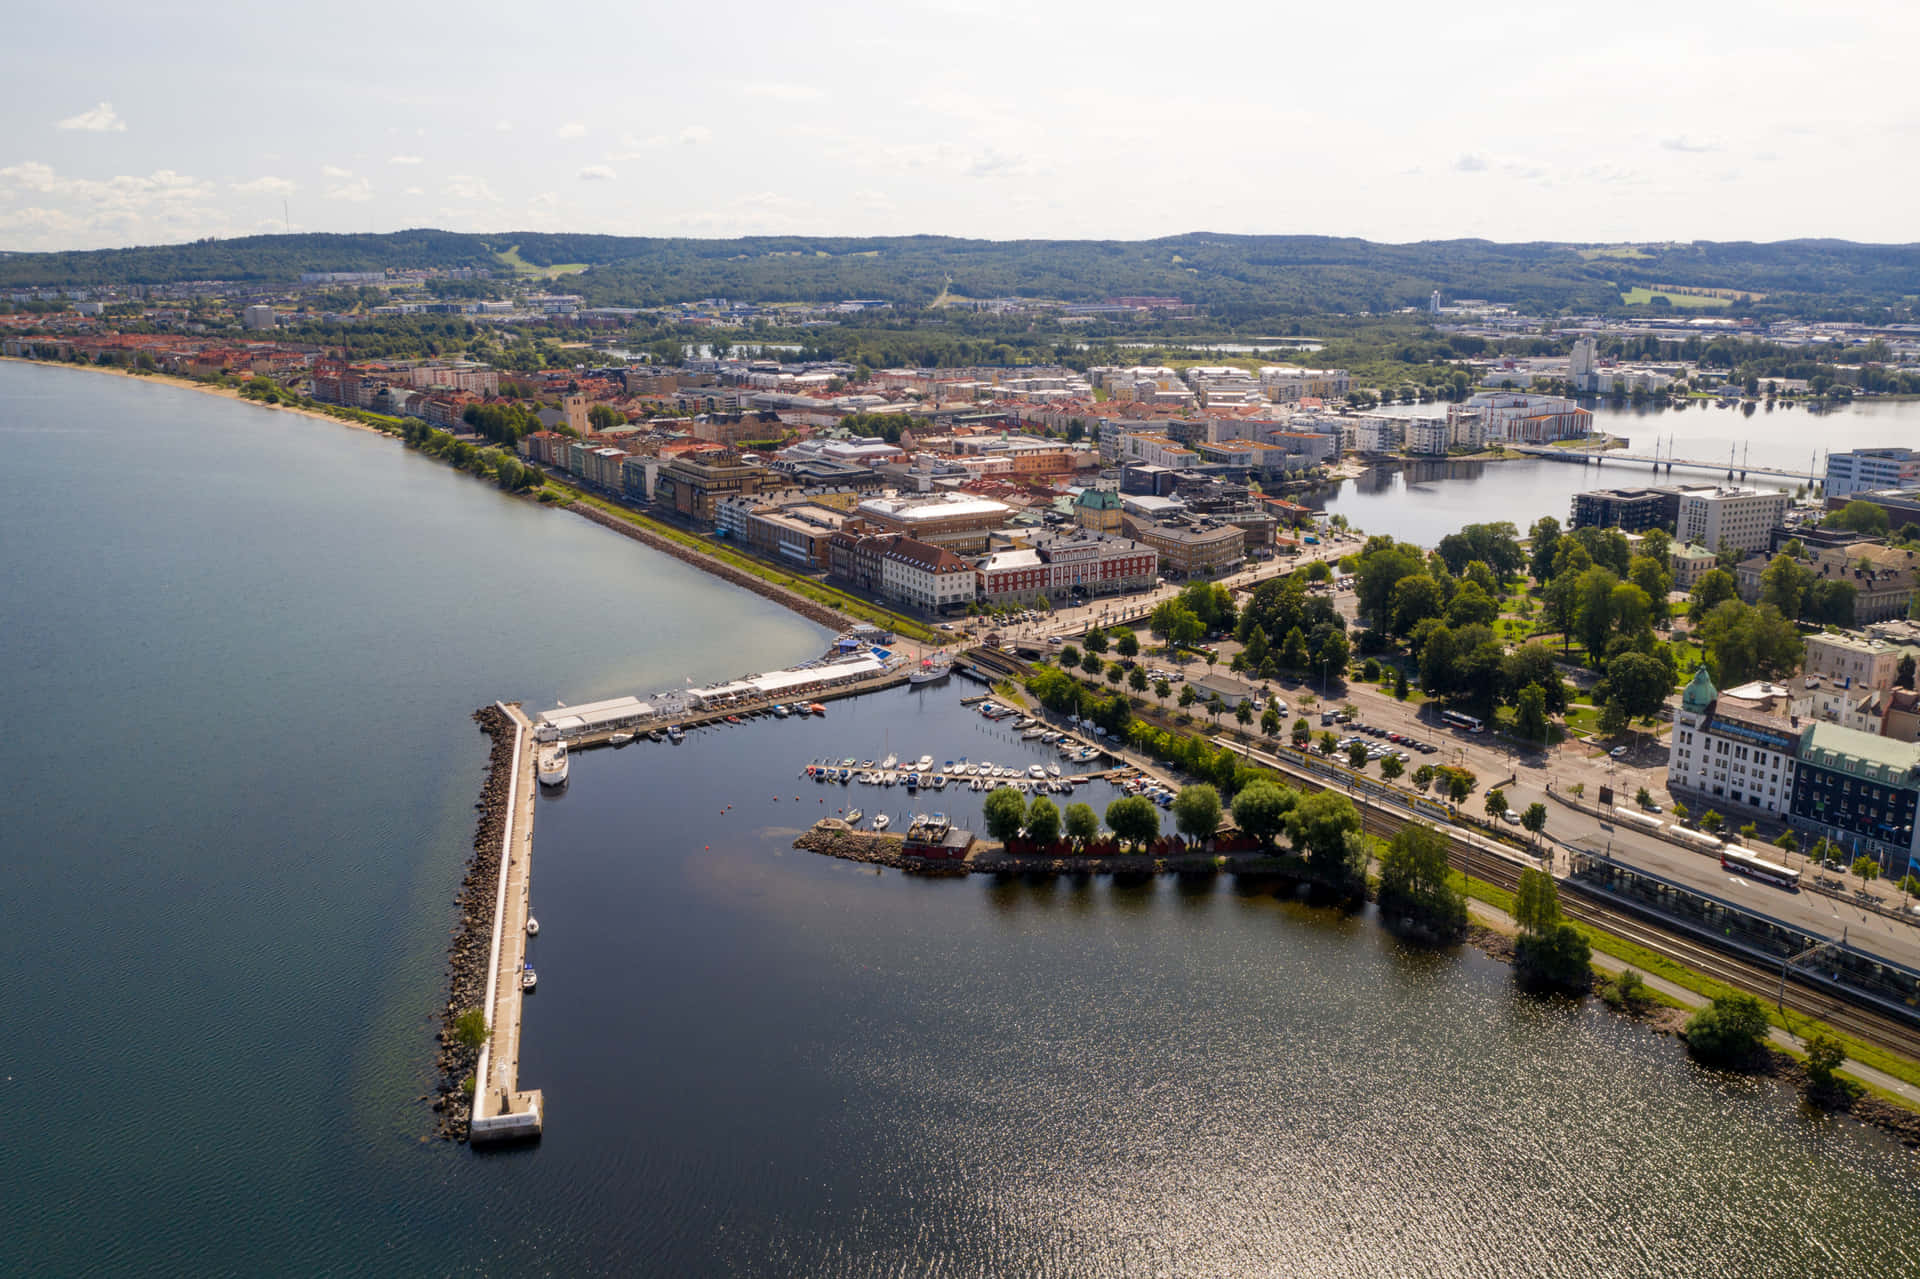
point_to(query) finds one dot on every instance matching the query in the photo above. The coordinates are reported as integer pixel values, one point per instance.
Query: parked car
(1618, 752)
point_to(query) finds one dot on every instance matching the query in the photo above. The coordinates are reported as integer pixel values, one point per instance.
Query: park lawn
(511, 258)
(1640, 295)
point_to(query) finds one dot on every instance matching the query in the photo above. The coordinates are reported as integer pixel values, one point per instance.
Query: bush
(1627, 993)
(1729, 1032)
(470, 1029)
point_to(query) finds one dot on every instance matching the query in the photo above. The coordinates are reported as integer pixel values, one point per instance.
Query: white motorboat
(552, 764)
(1033, 734)
(924, 763)
(1035, 770)
(620, 739)
(853, 818)
(881, 821)
(889, 761)
(1053, 770)
(533, 926)
(528, 978)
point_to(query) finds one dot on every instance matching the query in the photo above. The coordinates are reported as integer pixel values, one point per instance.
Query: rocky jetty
(472, 939)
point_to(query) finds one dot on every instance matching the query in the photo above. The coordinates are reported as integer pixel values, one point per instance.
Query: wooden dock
(501, 1111)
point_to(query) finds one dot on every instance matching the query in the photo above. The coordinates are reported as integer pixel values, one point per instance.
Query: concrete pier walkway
(501, 1111)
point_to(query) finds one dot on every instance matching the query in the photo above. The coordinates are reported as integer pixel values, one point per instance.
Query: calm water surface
(244, 647)
(1425, 501)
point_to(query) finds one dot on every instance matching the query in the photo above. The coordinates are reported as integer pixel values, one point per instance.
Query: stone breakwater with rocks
(470, 949)
(805, 607)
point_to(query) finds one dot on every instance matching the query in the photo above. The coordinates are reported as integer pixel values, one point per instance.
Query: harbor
(501, 1110)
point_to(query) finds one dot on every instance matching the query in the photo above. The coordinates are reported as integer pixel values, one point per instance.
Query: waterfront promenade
(501, 1110)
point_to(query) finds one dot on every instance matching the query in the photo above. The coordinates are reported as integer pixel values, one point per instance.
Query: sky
(162, 121)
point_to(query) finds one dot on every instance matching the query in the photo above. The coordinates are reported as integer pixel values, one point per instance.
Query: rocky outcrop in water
(472, 938)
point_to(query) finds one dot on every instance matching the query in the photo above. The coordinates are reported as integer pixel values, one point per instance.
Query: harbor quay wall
(500, 1111)
(809, 609)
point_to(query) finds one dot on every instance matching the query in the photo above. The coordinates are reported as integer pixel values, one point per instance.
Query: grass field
(1641, 296)
(512, 258)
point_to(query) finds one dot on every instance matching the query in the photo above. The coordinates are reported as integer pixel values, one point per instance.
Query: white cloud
(358, 191)
(503, 126)
(998, 164)
(264, 186)
(598, 173)
(126, 209)
(781, 92)
(571, 129)
(1472, 162)
(464, 186)
(335, 172)
(694, 134)
(1684, 143)
(102, 119)
(413, 191)
(405, 159)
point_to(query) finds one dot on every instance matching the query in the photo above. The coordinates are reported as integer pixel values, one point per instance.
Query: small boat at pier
(675, 736)
(853, 818)
(533, 926)
(551, 764)
(931, 671)
(528, 978)
(781, 712)
(620, 739)
(881, 821)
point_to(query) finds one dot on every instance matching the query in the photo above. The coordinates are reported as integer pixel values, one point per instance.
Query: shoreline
(193, 384)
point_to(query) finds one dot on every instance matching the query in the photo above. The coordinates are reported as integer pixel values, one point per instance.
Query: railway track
(1743, 975)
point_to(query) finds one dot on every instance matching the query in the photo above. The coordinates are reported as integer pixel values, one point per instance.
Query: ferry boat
(552, 764)
(931, 671)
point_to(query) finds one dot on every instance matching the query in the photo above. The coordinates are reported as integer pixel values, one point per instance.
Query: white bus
(1759, 868)
(1465, 723)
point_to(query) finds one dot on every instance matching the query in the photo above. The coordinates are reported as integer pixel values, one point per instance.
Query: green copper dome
(1700, 691)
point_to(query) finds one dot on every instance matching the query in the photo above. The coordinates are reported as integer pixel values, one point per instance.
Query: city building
(1200, 548)
(690, 484)
(1074, 564)
(1737, 517)
(1284, 384)
(1882, 578)
(959, 521)
(1688, 563)
(1864, 470)
(1097, 510)
(1517, 418)
(1730, 750)
(1853, 661)
(1858, 790)
(1629, 510)
(1901, 505)
(258, 317)
(927, 577)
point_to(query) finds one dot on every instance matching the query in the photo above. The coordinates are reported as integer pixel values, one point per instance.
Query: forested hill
(1233, 277)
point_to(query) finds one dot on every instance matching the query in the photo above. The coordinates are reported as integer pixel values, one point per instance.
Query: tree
(1866, 868)
(1188, 696)
(1083, 824)
(1417, 885)
(1652, 577)
(1787, 842)
(1530, 714)
(1043, 821)
(1162, 689)
(1333, 653)
(1545, 535)
(1137, 679)
(1091, 662)
(1711, 822)
(1413, 599)
(1382, 564)
(1784, 583)
(1196, 811)
(1260, 809)
(1391, 767)
(1069, 657)
(1471, 606)
(1005, 812)
(1134, 820)
(1243, 713)
(1318, 826)
(1096, 640)
(1860, 517)
(1128, 645)
(1903, 674)
(1423, 776)
(1293, 651)
(1399, 684)
(1328, 743)
(1745, 643)
(1638, 684)
(1459, 784)
(1825, 1054)
(1713, 588)
(1728, 1032)
(1270, 721)
(1534, 819)
(1749, 830)
(1216, 706)
(1559, 958)
(1495, 802)
(1257, 647)
(1536, 904)
(1357, 754)
(1301, 733)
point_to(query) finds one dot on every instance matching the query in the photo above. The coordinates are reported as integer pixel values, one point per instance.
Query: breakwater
(809, 609)
(469, 951)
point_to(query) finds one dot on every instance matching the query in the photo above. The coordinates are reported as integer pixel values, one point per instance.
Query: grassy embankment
(1655, 964)
(806, 587)
(511, 258)
(1640, 295)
